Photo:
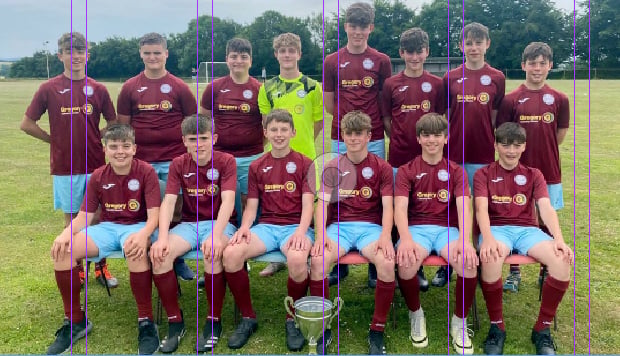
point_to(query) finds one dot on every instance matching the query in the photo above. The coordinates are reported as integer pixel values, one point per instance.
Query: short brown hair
(196, 124)
(70, 40)
(431, 124)
(153, 38)
(476, 31)
(287, 40)
(119, 132)
(279, 115)
(239, 45)
(509, 133)
(355, 121)
(360, 14)
(414, 40)
(535, 49)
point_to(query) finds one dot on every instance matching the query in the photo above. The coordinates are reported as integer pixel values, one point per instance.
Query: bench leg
(474, 310)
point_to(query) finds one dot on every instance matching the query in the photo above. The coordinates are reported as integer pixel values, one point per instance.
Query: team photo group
(421, 165)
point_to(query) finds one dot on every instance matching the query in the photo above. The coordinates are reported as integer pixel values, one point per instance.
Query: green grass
(32, 308)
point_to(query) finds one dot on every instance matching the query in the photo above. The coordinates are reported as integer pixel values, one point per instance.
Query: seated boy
(358, 187)
(507, 196)
(127, 190)
(278, 182)
(432, 213)
(207, 180)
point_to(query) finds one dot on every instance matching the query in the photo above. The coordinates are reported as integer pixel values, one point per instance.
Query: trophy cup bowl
(311, 315)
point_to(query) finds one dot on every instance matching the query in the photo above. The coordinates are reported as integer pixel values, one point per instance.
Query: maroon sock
(215, 289)
(167, 288)
(319, 288)
(410, 289)
(492, 293)
(142, 287)
(552, 293)
(466, 299)
(70, 294)
(296, 290)
(384, 294)
(239, 285)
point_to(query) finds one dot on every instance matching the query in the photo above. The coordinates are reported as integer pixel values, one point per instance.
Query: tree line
(512, 25)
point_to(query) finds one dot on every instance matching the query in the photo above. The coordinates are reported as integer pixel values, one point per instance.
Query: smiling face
(74, 60)
(200, 146)
(154, 57)
(414, 61)
(509, 153)
(279, 134)
(357, 36)
(119, 153)
(239, 63)
(536, 70)
(287, 57)
(432, 144)
(475, 49)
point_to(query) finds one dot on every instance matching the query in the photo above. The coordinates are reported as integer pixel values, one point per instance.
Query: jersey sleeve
(461, 182)
(263, 103)
(306, 164)
(123, 103)
(38, 105)
(387, 180)
(206, 101)
(403, 183)
(187, 100)
(253, 192)
(539, 185)
(173, 185)
(152, 195)
(317, 103)
(107, 107)
(91, 198)
(330, 74)
(480, 183)
(229, 174)
(564, 113)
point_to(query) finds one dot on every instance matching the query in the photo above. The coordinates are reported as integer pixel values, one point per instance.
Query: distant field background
(31, 306)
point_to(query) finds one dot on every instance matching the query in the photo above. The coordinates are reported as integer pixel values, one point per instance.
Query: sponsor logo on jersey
(141, 89)
(165, 105)
(368, 82)
(426, 105)
(213, 189)
(548, 99)
(443, 175)
(108, 186)
(70, 110)
(366, 192)
(224, 90)
(483, 98)
(548, 117)
(133, 185)
(419, 176)
(189, 175)
(426, 87)
(443, 196)
(520, 179)
(521, 101)
(299, 109)
(367, 172)
(133, 205)
(501, 199)
(519, 199)
(291, 167)
(247, 94)
(497, 180)
(113, 207)
(244, 108)
(63, 91)
(213, 174)
(290, 186)
(368, 63)
(165, 88)
(467, 98)
(301, 93)
(344, 173)
(345, 64)
(88, 90)
(426, 195)
(485, 80)
(403, 88)
(460, 80)
(87, 109)
(267, 169)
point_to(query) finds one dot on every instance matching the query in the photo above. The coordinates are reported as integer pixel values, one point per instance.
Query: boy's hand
(135, 246)
(159, 251)
(298, 242)
(409, 253)
(490, 250)
(464, 253)
(60, 246)
(213, 248)
(242, 235)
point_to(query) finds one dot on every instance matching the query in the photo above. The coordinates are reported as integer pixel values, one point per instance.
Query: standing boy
(127, 191)
(74, 104)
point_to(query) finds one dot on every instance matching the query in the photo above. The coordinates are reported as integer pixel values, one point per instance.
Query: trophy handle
(288, 303)
(337, 301)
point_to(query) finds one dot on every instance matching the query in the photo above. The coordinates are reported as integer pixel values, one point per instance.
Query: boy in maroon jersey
(127, 191)
(353, 80)
(358, 188)
(432, 213)
(207, 180)
(544, 113)
(278, 182)
(155, 102)
(405, 98)
(74, 104)
(507, 195)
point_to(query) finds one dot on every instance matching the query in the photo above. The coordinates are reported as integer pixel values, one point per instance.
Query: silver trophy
(311, 314)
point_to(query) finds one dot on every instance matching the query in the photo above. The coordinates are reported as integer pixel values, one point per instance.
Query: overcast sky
(27, 24)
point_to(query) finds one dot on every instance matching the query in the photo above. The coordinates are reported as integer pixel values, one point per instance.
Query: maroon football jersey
(279, 183)
(74, 110)
(204, 185)
(432, 191)
(356, 81)
(360, 189)
(406, 99)
(157, 107)
(512, 194)
(123, 199)
(473, 95)
(236, 117)
(541, 112)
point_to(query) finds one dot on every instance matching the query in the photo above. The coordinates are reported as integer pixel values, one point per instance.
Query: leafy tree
(115, 57)
(600, 38)
(36, 67)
